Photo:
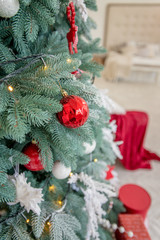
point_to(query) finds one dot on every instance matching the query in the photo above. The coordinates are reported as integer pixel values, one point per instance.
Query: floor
(144, 97)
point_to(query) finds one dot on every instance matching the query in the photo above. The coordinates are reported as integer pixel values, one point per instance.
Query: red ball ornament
(32, 151)
(75, 112)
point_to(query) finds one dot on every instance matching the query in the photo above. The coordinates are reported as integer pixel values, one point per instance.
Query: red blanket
(131, 129)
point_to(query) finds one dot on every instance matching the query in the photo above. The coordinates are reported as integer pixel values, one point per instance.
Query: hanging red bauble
(33, 152)
(75, 112)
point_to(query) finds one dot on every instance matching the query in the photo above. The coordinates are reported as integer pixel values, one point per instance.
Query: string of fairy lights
(37, 58)
(62, 203)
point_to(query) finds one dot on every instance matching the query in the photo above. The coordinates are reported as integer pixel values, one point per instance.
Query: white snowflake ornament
(8, 8)
(27, 196)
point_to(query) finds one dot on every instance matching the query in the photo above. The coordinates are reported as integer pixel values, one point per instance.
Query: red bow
(109, 174)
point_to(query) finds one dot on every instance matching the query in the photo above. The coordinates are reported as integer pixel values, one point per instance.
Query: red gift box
(135, 199)
(134, 223)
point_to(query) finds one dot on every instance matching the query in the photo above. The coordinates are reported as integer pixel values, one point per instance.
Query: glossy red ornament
(75, 112)
(32, 151)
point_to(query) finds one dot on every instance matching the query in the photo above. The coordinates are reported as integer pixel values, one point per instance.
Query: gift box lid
(135, 197)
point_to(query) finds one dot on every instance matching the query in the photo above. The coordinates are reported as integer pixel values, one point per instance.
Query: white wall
(100, 16)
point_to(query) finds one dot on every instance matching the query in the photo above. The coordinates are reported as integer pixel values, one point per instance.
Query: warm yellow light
(52, 188)
(71, 174)
(48, 223)
(27, 221)
(59, 202)
(45, 67)
(10, 88)
(69, 60)
(95, 160)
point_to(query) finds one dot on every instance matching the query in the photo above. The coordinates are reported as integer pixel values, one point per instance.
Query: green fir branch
(43, 140)
(38, 223)
(64, 225)
(7, 192)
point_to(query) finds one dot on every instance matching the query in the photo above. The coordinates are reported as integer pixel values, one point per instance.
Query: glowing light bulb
(71, 174)
(59, 202)
(52, 188)
(10, 88)
(95, 160)
(45, 67)
(48, 223)
(69, 60)
(27, 221)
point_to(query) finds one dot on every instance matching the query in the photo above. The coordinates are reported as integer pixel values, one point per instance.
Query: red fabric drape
(131, 129)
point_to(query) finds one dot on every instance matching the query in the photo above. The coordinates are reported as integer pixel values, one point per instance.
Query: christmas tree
(55, 136)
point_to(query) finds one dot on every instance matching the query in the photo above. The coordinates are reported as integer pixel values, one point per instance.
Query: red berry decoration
(75, 112)
(72, 35)
(77, 73)
(32, 151)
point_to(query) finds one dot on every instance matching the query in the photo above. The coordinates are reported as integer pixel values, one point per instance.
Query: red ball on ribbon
(75, 112)
(33, 152)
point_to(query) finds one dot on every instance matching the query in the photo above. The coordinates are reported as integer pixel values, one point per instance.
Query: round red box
(135, 199)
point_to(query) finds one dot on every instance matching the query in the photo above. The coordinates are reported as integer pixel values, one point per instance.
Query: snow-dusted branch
(95, 195)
